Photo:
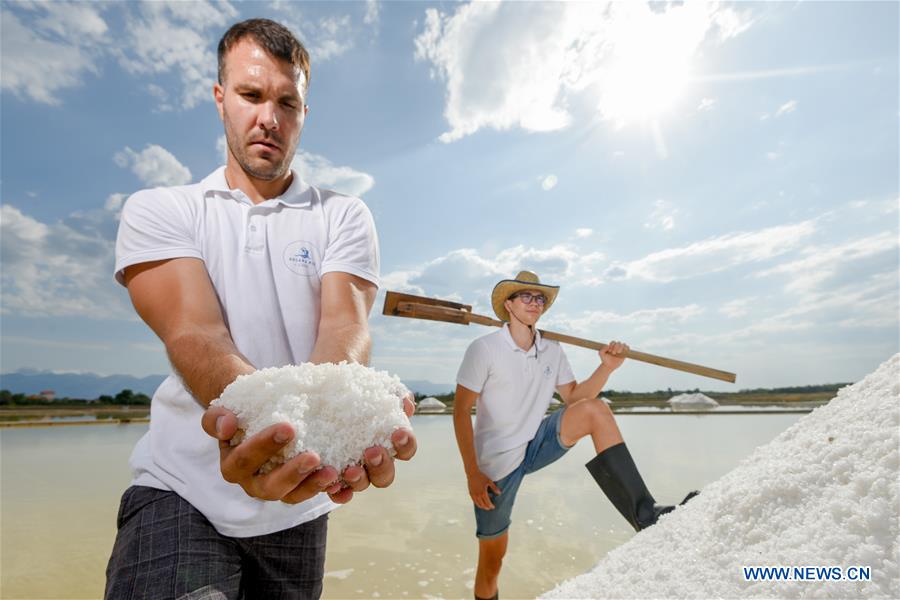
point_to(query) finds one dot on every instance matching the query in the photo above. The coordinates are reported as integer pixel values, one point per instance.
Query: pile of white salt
(336, 410)
(824, 494)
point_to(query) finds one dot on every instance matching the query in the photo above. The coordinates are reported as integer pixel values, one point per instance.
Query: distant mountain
(90, 385)
(86, 386)
(428, 388)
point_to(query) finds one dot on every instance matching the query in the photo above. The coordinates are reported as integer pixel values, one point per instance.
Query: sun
(649, 68)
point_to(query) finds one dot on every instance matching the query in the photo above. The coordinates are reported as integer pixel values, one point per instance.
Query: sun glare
(649, 68)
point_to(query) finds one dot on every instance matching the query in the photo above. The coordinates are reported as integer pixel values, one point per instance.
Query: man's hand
(378, 465)
(298, 479)
(611, 356)
(478, 490)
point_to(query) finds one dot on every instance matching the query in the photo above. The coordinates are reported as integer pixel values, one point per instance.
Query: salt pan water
(60, 489)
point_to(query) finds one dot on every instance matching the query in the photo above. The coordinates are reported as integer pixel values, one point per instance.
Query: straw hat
(525, 280)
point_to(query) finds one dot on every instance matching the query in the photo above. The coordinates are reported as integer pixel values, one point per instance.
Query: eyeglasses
(528, 298)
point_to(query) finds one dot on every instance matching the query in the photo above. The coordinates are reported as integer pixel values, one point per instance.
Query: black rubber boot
(616, 474)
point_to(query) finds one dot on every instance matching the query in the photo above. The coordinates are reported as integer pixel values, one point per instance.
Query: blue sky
(716, 183)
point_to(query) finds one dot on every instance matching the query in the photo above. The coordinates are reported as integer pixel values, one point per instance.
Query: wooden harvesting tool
(397, 304)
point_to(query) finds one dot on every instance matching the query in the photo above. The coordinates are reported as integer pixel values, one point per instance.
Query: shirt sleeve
(473, 371)
(564, 373)
(353, 242)
(154, 226)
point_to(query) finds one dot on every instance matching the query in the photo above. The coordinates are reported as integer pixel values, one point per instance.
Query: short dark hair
(275, 38)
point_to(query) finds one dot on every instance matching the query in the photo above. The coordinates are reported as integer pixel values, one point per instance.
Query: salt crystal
(823, 493)
(336, 410)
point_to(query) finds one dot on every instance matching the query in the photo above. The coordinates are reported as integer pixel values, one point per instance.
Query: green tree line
(127, 397)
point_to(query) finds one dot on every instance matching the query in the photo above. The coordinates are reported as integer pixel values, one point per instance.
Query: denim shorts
(545, 448)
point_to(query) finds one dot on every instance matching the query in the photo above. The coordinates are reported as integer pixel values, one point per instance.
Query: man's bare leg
(590, 417)
(490, 559)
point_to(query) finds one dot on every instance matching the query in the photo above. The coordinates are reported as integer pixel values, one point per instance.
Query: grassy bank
(104, 412)
(619, 401)
(748, 398)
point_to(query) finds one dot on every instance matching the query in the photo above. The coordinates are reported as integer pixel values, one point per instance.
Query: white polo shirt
(266, 262)
(515, 388)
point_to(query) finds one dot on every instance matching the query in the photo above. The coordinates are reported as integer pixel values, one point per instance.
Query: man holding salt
(249, 269)
(511, 375)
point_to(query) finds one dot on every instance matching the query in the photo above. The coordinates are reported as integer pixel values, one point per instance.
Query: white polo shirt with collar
(266, 262)
(515, 388)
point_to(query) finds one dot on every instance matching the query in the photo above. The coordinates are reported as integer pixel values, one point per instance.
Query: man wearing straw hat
(511, 375)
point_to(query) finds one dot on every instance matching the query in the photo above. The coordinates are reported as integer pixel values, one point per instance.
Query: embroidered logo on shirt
(301, 258)
(547, 372)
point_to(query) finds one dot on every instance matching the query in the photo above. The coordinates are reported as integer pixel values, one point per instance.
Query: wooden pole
(432, 309)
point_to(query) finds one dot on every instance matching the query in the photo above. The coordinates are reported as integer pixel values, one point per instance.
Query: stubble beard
(263, 170)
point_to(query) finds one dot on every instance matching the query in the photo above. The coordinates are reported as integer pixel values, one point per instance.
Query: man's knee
(589, 415)
(491, 553)
(598, 412)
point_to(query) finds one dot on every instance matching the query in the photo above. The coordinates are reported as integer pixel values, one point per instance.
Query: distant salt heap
(823, 493)
(430, 404)
(337, 410)
(696, 401)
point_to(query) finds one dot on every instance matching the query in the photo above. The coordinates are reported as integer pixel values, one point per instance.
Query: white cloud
(590, 320)
(706, 104)
(523, 64)
(77, 346)
(38, 68)
(549, 182)
(773, 73)
(114, 202)
(786, 108)
(583, 232)
(154, 166)
(57, 269)
(58, 43)
(822, 263)
(466, 274)
(737, 308)
(870, 301)
(222, 148)
(170, 37)
(773, 155)
(662, 216)
(331, 39)
(72, 20)
(325, 38)
(373, 7)
(319, 171)
(715, 254)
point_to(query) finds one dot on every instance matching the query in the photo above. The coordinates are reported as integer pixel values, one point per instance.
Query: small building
(430, 405)
(48, 395)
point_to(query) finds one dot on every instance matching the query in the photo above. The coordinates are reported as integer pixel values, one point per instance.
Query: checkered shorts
(166, 549)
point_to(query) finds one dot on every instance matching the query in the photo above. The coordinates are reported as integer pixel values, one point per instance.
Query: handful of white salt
(336, 410)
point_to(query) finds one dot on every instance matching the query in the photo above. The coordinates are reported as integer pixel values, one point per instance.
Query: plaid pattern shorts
(166, 549)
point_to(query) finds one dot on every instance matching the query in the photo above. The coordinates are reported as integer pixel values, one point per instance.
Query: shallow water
(60, 487)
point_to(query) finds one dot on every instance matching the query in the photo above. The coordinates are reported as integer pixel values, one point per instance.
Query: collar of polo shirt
(512, 343)
(297, 195)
